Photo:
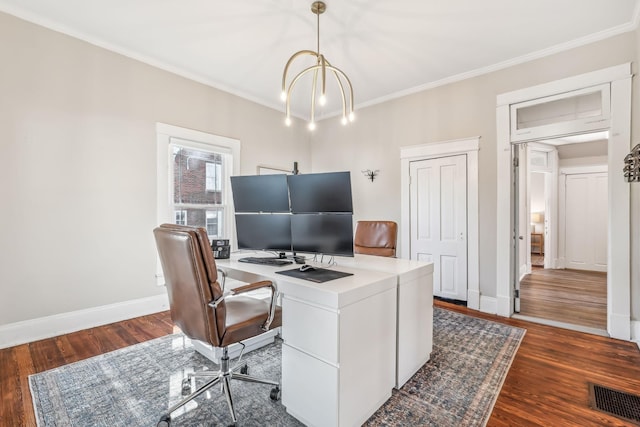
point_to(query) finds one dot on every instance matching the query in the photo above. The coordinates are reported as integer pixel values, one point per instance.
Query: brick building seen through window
(197, 189)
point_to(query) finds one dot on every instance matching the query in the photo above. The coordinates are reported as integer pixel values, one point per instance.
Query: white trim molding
(619, 244)
(50, 326)
(470, 148)
(635, 332)
(488, 305)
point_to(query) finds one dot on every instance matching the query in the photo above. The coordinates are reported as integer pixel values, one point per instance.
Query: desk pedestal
(337, 364)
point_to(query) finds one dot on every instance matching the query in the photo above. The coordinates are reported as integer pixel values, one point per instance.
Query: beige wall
(458, 110)
(78, 140)
(79, 166)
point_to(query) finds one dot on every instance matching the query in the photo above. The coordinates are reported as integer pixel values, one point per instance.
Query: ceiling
(388, 48)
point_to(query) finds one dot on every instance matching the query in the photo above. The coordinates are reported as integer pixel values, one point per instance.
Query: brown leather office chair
(204, 312)
(376, 238)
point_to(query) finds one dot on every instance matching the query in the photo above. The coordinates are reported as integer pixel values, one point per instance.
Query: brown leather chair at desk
(204, 312)
(376, 238)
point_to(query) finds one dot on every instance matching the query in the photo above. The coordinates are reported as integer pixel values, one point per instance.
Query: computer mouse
(306, 267)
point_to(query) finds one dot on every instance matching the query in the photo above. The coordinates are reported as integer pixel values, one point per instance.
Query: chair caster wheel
(186, 387)
(245, 369)
(275, 394)
(165, 421)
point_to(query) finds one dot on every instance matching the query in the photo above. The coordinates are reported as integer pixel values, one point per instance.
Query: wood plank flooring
(546, 385)
(569, 296)
(17, 363)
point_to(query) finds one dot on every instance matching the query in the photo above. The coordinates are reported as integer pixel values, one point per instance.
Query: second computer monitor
(264, 231)
(328, 234)
(320, 192)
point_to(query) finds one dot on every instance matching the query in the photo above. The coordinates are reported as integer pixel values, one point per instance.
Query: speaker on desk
(220, 248)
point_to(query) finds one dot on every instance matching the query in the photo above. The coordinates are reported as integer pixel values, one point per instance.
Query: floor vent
(614, 402)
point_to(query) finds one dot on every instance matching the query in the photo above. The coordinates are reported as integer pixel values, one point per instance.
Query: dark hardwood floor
(546, 385)
(569, 296)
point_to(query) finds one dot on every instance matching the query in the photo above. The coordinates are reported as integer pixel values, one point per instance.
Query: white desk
(414, 326)
(341, 340)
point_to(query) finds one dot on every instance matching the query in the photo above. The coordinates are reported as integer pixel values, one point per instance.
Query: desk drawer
(309, 388)
(311, 329)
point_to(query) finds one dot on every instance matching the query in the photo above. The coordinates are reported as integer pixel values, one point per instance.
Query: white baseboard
(473, 299)
(64, 323)
(635, 332)
(619, 326)
(488, 304)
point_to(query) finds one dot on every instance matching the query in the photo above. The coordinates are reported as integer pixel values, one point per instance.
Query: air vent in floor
(614, 402)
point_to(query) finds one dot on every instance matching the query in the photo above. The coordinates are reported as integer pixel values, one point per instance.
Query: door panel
(438, 195)
(586, 221)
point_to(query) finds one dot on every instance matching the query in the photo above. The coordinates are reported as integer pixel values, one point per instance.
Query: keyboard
(265, 261)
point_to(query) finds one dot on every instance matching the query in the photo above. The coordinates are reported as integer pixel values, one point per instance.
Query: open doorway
(563, 197)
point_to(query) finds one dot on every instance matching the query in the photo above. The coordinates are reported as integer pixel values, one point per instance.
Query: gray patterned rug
(132, 386)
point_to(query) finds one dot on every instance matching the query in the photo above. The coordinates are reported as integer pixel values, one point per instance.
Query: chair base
(222, 377)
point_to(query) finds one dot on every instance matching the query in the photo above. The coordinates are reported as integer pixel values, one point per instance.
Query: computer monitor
(320, 192)
(328, 234)
(260, 193)
(264, 231)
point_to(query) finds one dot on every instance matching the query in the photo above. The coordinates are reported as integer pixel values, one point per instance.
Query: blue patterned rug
(132, 386)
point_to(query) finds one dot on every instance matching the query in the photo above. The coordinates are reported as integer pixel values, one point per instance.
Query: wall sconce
(370, 174)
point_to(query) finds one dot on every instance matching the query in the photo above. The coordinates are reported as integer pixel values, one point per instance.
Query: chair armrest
(252, 287)
(274, 297)
(224, 278)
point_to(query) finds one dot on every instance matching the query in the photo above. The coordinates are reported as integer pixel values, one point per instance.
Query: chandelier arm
(313, 95)
(293, 83)
(337, 71)
(342, 94)
(293, 57)
(323, 62)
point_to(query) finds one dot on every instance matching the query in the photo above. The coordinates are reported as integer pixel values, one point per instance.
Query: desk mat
(318, 275)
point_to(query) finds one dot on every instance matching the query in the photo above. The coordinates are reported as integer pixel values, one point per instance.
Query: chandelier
(321, 67)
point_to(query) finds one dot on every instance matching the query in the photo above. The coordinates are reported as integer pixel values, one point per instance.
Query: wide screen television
(260, 193)
(264, 231)
(328, 234)
(320, 192)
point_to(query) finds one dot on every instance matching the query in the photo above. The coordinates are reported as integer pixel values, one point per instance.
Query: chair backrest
(191, 278)
(376, 238)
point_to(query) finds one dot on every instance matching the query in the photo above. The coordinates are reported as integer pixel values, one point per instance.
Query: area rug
(132, 386)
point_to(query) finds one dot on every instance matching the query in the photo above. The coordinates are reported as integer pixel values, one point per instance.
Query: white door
(438, 197)
(586, 221)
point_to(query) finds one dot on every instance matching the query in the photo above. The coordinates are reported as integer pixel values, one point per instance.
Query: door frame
(619, 248)
(469, 147)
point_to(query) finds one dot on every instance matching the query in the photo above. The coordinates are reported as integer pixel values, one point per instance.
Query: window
(213, 176)
(181, 217)
(582, 110)
(193, 185)
(193, 179)
(213, 221)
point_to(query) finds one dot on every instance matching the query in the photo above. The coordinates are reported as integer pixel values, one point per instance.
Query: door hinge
(516, 293)
(516, 162)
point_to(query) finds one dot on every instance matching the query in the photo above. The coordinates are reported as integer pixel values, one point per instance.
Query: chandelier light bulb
(283, 96)
(312, 125)
(352, 116)
(344, 120)
(287, 121)
(323, 99)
